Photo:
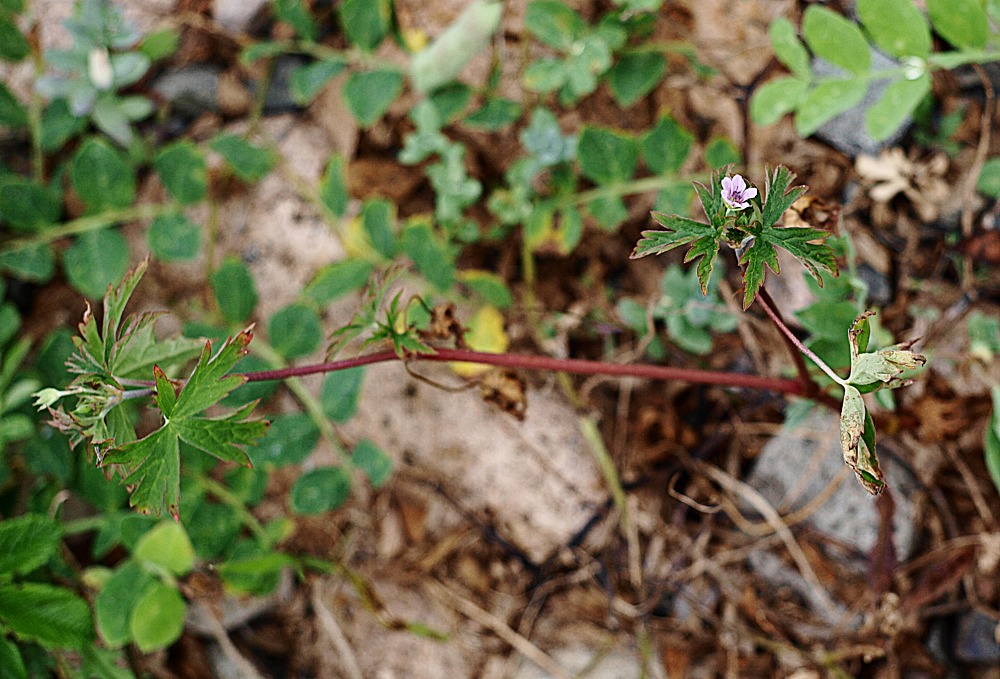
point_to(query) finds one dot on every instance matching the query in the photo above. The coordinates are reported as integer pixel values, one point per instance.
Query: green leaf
(606, 156)
(333, 186)
(28, 206)
(450, 101)
(174, 238)
(678, 231)
(991, 439)
(836, 39)
(160, 44)
(775, 98)
(181, 168)
(554, 24)
(52, 616)
(248, 162)
(340, 392)
(827, 100)
(307, 81)
(857, 440)
(167, 547)
(289, 440)
(495, 114)
(666, 146)
(115, 602)
(152, 463)
(12, 112)
(110, 118)
(895, 106)
(378, 217)
(320, 490)
(635, 75)
(102, 177)
(13, 45)
(27, 542)
(442, 61)
(609, 211)
(963, 23)
(429, 254)
(788, 49)
(295, 331)
(989, 178)
(336, 280)
(295, 14)
(59, 125)
(368, 94)
(799, 241)
(157, 620)
(489, 286)
(263, 50)
(544, 75)
(95, 260)
(11, 661)
(365, 22)
(720, 152)
(234, 290)
(897, 27)
(34, 262)
(370, 459)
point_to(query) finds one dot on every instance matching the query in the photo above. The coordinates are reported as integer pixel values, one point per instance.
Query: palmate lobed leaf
(678, 231)
(152, 464)
(801, 242)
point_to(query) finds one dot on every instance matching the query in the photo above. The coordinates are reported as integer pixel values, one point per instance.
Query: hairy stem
(548, 363)
(797, 343)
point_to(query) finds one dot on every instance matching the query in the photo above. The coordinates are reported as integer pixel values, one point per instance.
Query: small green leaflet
(152, 464)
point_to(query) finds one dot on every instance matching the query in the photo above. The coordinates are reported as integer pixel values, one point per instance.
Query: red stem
(568, 365)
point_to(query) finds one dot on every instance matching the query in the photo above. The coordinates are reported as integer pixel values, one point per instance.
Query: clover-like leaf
(151, 465)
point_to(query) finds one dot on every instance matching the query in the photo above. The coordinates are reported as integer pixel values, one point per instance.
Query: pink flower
(735, 192)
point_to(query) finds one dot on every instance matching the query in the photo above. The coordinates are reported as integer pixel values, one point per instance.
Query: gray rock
(799, 463)
(236, 15)
(794, 468)
(847, 132)
(976, 639)
(190, 90)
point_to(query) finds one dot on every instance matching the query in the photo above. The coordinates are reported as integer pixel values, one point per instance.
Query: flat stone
(236, 15)
(847, 132)
(976, 639)
(191, 90)
(795, 467)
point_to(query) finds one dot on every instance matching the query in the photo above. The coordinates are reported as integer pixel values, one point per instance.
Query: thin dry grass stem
(969, 190)
(688, 500)
(758, 502)
(244, 667)
(793, 518)
(975, 492)
(328, 625)
(749, 336)
(498, 627)
(634, 549)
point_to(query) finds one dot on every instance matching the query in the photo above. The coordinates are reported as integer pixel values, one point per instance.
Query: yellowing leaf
(486, 333)
(357, 243)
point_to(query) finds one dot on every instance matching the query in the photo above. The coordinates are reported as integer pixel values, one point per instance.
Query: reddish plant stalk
(548, 363)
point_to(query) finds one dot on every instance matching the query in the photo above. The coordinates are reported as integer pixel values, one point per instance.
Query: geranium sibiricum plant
(739, 217)
(120, 359)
